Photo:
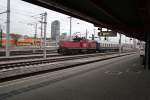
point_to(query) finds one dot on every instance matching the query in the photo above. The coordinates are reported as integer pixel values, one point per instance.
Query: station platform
(122, 78)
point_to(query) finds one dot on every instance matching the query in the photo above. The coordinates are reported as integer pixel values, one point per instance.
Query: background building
(55, 30)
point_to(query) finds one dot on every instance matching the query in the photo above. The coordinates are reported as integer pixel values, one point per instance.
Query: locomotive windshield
(76, 38)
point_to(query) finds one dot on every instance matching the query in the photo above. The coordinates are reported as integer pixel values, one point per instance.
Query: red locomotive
(76, 46)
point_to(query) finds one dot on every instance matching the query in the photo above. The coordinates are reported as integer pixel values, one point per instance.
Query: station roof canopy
(130, 17)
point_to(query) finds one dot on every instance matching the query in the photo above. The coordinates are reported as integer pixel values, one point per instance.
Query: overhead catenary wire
(28, 16)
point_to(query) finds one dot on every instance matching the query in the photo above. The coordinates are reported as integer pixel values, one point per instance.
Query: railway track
(34, 56)
(23, 57)
(27, 52)
(29, 62)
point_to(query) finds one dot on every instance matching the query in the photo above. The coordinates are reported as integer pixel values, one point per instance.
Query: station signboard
(107, 34)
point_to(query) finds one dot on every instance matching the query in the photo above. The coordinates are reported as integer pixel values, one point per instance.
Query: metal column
(147, 52)
(120, 44)
(41, 40)
(70, 37)
(1, 33)
(35, 30)
(45, 24)
(86, 35)
(8, 29)
(35, 36)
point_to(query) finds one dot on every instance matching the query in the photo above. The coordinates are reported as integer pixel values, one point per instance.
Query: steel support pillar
(120, 45)
(8, 30)
(147, 52)
(70, 37)
(45, 24)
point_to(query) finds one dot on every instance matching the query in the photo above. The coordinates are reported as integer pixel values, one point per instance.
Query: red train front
(76, 47)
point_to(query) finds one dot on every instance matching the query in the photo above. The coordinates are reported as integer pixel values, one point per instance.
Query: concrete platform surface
(120, 78)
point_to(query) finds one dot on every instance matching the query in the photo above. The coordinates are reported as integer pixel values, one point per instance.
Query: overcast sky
(23, 14)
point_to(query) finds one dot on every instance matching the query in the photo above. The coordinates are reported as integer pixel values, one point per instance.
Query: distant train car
(105, 47)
